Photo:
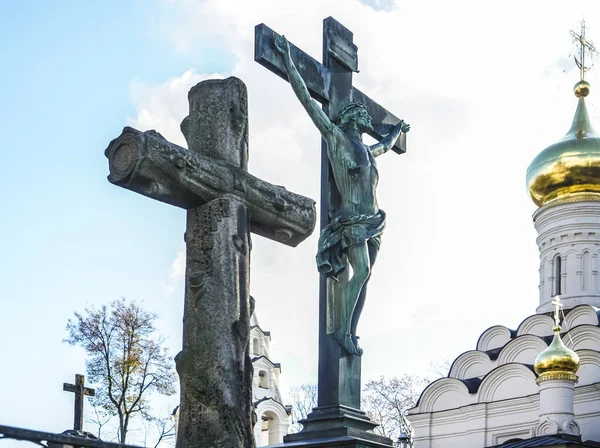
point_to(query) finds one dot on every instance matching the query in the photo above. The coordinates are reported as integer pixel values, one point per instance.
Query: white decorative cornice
(583, 337)
(581, 315)
(473, 363)
(493, 338)
(523, 349)
(449, 390)
(537, 325)
(500, 383)
(589, 368)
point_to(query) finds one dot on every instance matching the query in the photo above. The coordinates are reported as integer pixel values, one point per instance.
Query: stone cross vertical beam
(80, 391)
(224, 204)
(339, 378)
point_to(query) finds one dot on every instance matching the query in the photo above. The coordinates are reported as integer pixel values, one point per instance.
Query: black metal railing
(48, 439)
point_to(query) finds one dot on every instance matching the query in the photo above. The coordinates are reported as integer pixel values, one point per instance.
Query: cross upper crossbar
(318, 77)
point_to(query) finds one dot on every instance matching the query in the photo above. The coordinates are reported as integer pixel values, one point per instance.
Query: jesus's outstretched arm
(386, 143)
(319, 118)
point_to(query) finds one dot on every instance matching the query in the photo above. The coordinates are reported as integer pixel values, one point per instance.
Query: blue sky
(67, 71)
(74, 73)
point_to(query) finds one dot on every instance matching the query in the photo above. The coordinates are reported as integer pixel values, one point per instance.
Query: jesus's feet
(345, 340)
(359, 350)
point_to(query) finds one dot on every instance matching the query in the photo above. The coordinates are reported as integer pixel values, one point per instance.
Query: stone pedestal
(337, 420)
(337, 442)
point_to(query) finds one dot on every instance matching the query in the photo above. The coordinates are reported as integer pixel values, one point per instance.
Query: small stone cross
(80, 391)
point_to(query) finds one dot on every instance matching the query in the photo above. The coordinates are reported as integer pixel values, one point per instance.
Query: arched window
(263, 379)
(270, 431)
(586, 271)
(557, 276)
(256, 346)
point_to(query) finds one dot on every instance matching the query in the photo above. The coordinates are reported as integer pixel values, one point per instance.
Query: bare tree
(387, 400)
(99, 420)
(162, 430)
(304, 399)
(126, 359)
(166, 431)
(438, 369)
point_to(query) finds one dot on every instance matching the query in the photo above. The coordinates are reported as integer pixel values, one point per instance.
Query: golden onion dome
(557, 361)
(572, 165)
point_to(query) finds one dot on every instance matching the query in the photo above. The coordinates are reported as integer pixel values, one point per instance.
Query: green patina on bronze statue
(356, 223)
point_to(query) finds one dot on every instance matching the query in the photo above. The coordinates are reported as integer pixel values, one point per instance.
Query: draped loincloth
(344, 232)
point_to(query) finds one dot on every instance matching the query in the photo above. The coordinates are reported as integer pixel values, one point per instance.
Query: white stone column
(556, 406)
(258, 432)
(282, 429)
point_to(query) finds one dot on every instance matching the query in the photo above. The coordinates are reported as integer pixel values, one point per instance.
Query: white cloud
(178, 266)
(167, 288)
(163, 107)
(380, 5)
(176, 275)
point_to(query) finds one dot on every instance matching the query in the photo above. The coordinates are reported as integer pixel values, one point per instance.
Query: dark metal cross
(80, 391)
(330, 83)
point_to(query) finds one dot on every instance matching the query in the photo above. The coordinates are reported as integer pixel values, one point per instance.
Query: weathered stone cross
(338, 412)
(224, 203)
(80, 391)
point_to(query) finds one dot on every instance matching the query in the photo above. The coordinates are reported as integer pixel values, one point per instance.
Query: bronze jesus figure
(356, 225)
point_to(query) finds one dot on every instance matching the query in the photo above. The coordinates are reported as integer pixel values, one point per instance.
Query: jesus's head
(354, 114)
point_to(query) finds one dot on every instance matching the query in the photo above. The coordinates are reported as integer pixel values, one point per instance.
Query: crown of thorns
(347, 109)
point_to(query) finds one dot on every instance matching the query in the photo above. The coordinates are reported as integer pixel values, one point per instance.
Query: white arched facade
(273, 422)
(490, 395)
(273, 418)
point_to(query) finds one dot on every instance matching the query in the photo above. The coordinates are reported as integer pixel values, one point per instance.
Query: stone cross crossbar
(145, 162)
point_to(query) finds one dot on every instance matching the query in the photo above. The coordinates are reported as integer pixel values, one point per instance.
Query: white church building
(273, 417)
(523, 387)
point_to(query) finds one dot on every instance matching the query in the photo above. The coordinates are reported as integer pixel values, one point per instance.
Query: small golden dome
(556, 359)
(570, 166)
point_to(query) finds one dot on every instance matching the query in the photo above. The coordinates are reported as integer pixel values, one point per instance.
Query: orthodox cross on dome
(583, 46)
(80, 391)
(557, 308)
